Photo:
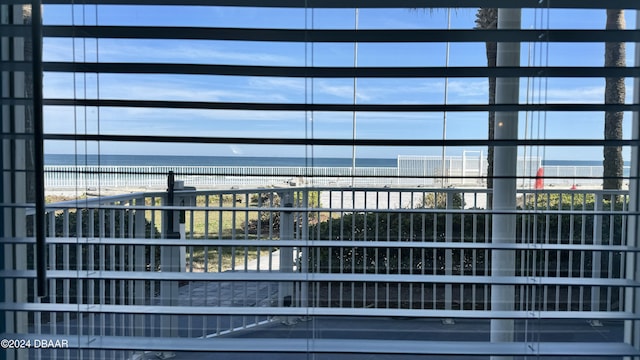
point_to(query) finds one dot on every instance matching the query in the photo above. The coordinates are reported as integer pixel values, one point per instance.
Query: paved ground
(419, 331)
(321, 328)
(428, 330)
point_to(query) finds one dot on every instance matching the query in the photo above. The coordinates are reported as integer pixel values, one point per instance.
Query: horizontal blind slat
(335, 72)
(340, 36)
(585, 4)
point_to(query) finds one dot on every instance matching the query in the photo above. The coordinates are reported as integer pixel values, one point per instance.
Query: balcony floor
(408, 329)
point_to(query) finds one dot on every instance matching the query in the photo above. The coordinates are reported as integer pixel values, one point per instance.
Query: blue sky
(319, 124)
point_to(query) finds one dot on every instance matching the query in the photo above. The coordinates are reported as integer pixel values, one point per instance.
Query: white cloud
(342, 91)
(271, 83)
(580, 95)
(169, 87)
(183, 51)
(57, 49)
(469, 88)
(189, 52)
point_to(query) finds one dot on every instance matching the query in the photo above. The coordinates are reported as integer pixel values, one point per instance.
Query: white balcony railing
(265, 258)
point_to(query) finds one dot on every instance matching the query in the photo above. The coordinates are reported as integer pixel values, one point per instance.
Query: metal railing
(422, 172)
(247, 258)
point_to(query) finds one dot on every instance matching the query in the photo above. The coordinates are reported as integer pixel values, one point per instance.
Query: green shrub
(430, 227)
(577, 229)
(532, 226)
(397, 227)
(439, 201)
(270, 220)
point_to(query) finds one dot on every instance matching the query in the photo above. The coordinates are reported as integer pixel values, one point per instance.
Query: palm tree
(615, 92)
(487, 18)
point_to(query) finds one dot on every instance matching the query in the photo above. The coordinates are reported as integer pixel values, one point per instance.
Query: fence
(410, 171)
(62, 176)
(126, 270)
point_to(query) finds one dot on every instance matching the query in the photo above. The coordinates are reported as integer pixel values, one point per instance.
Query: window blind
(317, 179)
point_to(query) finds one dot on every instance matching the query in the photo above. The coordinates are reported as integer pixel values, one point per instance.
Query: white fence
(465, 170)
(65, 176)
(410, 171)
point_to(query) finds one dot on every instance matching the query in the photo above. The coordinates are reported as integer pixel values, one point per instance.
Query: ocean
(178, 160)
(175, 160)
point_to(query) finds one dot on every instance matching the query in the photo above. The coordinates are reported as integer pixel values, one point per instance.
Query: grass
(216, 224)
(50, 199)
(213, 224)
(219, 224)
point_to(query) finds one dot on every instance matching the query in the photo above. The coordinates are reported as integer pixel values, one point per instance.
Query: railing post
(596, 256)
(448, 255)
(304, 258)
(139, 265)
(185, 197)
(169, 262)
(285, 288)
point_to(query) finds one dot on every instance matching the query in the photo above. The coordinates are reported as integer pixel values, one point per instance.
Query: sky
(272, 89)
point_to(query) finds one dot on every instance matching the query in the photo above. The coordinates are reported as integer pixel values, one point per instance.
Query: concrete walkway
(262, 263)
